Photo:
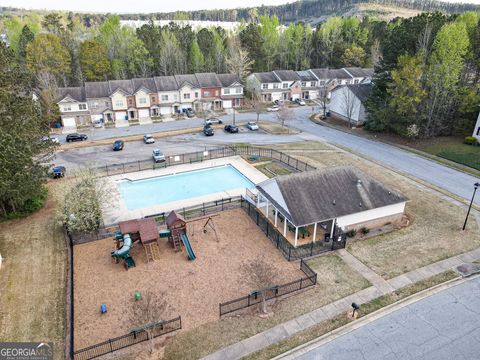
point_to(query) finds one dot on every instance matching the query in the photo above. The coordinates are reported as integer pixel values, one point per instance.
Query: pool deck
(117, 211)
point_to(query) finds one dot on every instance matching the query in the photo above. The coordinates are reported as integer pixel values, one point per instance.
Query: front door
(131, 114)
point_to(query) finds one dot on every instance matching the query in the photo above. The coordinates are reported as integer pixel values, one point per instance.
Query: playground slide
(188, 247)
(125, 249)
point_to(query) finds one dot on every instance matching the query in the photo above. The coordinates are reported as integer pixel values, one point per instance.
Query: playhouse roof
(172, 218)
(146, 228)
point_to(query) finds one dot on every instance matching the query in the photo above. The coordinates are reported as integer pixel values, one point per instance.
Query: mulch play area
(193, 289)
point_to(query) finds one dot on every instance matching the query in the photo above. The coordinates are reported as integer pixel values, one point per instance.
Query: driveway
(443, 326)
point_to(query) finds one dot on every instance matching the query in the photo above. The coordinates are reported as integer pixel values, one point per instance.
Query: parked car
(278, 102)
(208, 130)
(273, 108)
(158, 156)
(148, 139)
(231, 129)
(252, 125)
(76, 137)
(300, 102)
(118, 145)
(98, 123)
(58, 172)
(52, 139)
(213, 120)
(190, 113)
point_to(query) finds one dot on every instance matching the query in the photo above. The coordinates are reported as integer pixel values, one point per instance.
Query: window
(285, 85)
(322, 83)
(107, 104)
(95, 105)
(153, 99)
(206, 93)
(264, 86)
(226, 91)
(216, 92)
(238, 90)
(356, 81)
(119, 103)
(165, 97)
(130, 102)
(67, 108)
(175, 97)
(186, 96)
(196, 94)
(304, 84)
(82, 106)
(313, 83)
(348, 82)
(142, 100)
(275, 86)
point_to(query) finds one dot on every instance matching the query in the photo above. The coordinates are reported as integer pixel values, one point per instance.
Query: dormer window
(226, 91)
(275, 86)
(238, 90)
(264, 86)
(82, 106)
(67, 108)
(142, 100)
(285, 85)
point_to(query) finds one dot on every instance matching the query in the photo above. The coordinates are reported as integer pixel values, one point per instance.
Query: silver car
(158, 156)
(252, 125)
(213, 120)
(148, 139)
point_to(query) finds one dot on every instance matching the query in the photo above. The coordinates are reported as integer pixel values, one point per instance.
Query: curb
(332, 335)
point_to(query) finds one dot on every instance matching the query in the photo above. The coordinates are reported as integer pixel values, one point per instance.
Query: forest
(427, 66)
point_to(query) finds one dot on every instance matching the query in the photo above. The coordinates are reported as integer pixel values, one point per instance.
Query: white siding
(119, 101)
(476, 129)
(142, 99)
(339, 104)
(372, 214)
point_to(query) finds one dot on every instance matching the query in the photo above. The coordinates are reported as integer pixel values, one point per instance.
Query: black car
(58, 172)
(76, 137)
(118, 145)
(208, 131)
(231, 128)
(189, 112)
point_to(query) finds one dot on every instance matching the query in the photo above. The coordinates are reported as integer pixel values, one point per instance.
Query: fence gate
(339, 240)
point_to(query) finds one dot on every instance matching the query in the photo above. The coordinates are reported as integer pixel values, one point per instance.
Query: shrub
(364, 230)
(470, 140)
(351, 233)
(30, 205)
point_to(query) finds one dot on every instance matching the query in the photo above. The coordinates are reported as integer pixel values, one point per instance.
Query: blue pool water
(139, 194)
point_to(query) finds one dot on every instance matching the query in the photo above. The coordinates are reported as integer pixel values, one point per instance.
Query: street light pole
(475, 187)
(233, 112)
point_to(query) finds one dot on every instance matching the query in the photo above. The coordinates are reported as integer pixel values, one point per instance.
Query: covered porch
(297, 235)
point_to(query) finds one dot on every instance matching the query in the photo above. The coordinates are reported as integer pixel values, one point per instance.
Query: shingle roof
(166, 83)
(361, 91)
(306, 75)
(319, 195)
(228, 79)
(76, 93)
(208, 80)
(187, 78)
(125, 85)
(287, 75)
(147, 83)
(329, 74)
(359, 72)
(98, 89)
(266, 77)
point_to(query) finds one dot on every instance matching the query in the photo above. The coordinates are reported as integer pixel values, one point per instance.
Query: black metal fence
(257, 297)
(254, 152)
(127, 340)
(281, 243)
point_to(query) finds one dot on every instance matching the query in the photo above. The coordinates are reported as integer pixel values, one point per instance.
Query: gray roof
(306, 75)
(360, 72)
(315, 196)
(208, 80)
(166, 83)
(228, 79)
(125, 85)
(361, 91)
(97, 89)
(147, 83)
(266, 77)
(187, 78)
(287, 75)
(329, 74)
(76, 93)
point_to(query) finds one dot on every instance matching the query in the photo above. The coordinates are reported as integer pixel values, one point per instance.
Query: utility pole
(475, 187)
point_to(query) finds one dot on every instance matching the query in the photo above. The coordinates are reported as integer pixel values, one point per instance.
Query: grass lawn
(271, 169)
(276, 129)
(33, 279)
(304, 145)
(335, 280)
(433, 235)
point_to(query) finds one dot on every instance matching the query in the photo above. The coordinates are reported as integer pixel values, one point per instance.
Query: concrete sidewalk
(379, 288)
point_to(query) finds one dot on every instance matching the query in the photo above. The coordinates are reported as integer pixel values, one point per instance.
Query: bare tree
(349, 103)
(254, 102)
(284, 114)
(261, 275)
(148, 314)
(323, 98)
(238, 62)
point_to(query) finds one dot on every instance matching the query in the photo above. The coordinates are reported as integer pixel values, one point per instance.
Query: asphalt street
(444, 177)
(443, 326)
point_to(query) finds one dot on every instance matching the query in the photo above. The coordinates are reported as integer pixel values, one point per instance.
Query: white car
(158, 156)
(273, 108)
(51, 138)
(300, 102)
(252, 125)
(213, 120)
(148, 139)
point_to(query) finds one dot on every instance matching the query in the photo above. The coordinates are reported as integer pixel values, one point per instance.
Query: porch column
(267, 209)
(285, 227)
(296, 235)
(315, 232)
(276, 215)
(333, 227)
(258, 199)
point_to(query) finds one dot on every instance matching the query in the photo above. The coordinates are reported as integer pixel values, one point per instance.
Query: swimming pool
(138, 194)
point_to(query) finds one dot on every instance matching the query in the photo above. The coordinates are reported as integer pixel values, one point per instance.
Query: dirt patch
(277, 129)
(194, 289)
(33, 278)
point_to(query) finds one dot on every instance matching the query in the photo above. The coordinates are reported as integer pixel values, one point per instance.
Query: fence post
(138, 165)
(123, 165)
(296, 166)
(258, 217)
(311, 248)
(289, 252)
(203, 208)
(301, 283)
(248, 303)
(111, 347)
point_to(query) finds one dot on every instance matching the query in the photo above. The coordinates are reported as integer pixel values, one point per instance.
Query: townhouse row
(120, 101)
(306, 84)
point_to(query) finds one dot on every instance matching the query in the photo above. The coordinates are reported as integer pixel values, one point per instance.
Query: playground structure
(177, 234)
(124, 245)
